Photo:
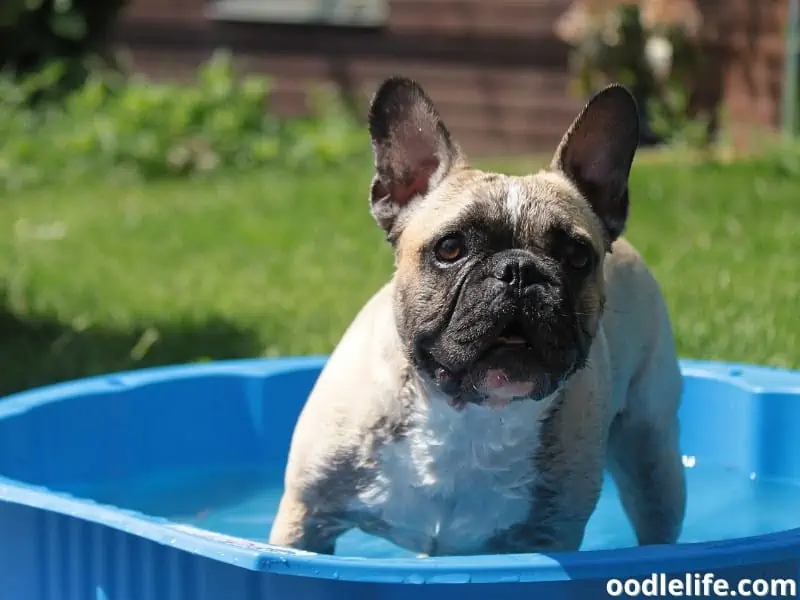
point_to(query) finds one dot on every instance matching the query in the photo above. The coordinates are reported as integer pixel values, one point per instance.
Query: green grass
(107, 277)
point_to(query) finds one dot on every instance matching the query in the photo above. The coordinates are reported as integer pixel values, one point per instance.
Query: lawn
(106, 277)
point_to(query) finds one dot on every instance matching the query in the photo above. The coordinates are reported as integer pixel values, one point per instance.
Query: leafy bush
(117, 125)
(35, 32)
(652, 48)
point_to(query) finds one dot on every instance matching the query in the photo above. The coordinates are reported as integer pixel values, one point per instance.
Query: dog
(521, 349)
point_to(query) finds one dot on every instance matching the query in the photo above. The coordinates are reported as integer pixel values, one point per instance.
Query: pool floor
(723, 504)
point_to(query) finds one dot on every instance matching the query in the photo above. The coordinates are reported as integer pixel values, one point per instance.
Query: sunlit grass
(104, 277)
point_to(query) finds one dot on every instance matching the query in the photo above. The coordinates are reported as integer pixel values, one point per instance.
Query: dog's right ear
(413, 149)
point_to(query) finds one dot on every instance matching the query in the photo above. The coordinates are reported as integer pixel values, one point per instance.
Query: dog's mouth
(511, 340)
(495, 386)
(507, 370)
(513, 335)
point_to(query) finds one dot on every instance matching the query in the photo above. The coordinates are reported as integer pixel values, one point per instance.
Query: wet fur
(379, 445)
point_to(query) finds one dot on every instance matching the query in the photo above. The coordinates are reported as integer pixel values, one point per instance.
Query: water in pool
(723, 504)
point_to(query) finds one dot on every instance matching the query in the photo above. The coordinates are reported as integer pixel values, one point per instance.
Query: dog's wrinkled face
(499, 283)
(500, 296)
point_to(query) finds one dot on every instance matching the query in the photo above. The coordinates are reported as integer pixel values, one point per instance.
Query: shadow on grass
(36, 351)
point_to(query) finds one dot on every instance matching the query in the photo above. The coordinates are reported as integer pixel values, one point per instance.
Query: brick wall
(494, 67)
(748, 36)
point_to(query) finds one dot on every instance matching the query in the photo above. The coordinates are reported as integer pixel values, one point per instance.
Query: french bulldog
(521, 349)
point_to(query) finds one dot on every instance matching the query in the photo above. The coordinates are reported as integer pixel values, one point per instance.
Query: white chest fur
(457, 477)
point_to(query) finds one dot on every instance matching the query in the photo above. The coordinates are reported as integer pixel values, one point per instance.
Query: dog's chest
(456, 478)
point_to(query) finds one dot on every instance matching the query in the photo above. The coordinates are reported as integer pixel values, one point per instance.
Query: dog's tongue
(497, 385)
(496, 379)
(501, 389)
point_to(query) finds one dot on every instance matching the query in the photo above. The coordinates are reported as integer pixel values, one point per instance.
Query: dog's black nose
(517, 271)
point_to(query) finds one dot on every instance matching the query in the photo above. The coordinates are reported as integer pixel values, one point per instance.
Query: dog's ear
(413, 149)
(597, 152)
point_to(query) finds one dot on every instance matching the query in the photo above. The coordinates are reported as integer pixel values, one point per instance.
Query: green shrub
(115, 125)
(35, 32)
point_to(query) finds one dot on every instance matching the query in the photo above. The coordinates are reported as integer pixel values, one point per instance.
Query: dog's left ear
(597, 152)
(413, 149)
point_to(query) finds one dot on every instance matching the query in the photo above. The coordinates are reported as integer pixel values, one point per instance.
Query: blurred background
(186, 180)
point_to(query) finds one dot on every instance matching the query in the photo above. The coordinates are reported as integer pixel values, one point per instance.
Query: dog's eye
(578, 255)
(450, 248)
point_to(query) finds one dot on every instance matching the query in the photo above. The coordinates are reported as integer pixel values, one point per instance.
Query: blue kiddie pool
(161, 485)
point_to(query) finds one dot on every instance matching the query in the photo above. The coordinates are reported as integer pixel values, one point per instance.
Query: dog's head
(499, 281)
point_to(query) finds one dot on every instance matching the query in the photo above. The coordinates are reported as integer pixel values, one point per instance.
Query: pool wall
(54, 546)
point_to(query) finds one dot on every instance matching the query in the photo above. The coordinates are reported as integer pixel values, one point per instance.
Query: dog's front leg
(300, 527)
(550, 528)
(533, 536)
(561, 504)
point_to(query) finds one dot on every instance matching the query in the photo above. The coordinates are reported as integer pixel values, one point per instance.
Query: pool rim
(586, 564)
